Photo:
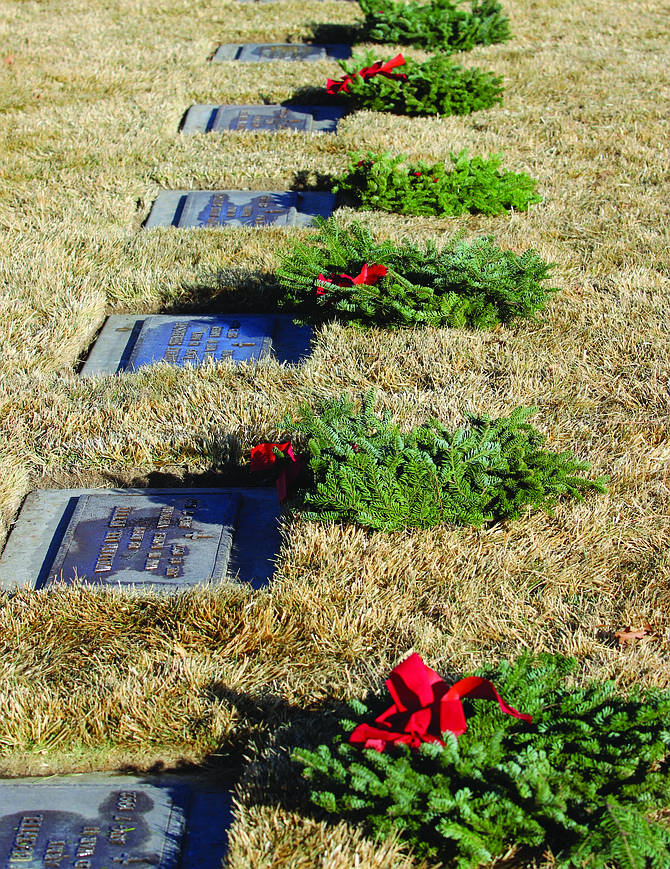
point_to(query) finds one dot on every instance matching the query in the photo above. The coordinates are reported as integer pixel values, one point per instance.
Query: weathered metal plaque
(261, 119)
(253, 52)
(163, 539)
(193, 340)
(80, 825)
(291, 52)
(239, 208)
(116, 344)
(211, 209)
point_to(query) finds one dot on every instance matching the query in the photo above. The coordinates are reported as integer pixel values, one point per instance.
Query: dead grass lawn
(91, 96)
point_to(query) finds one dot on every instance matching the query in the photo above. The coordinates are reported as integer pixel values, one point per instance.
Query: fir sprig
(583, 779)
(438, 25)
(435, 86)
(366, 471)
(384, 182)
(475, 284)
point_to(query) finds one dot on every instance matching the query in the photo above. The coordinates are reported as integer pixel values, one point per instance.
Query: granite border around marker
(42, 522)
(202, 118)
(291, 344)
(243, 52)
(166, 210)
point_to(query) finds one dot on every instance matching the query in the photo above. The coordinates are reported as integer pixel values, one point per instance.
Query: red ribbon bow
(263, 456)
(379, 68)
(425, 707)
(369, 275)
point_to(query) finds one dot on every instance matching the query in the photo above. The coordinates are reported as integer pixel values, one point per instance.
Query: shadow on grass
(313, 96)
(307, 180)
(268, 776)
(226, 291)
(223, 474)
(343, 34)
(256, 761)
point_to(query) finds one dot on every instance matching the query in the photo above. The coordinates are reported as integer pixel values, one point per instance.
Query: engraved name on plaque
(160, 539)
(90, 826)
(198, 340)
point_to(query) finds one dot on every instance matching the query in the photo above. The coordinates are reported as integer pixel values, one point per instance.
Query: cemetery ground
(222, 681)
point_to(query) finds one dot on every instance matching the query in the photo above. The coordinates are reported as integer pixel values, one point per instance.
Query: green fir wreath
(404, 86)
(585, 778)
(437, 26)
(362, 469)
(475, 284)
(387, 182)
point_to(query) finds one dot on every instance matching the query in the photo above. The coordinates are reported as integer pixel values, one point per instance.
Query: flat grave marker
(163, 540)
(261, 119)
(255, 52)
(170, 539)
(128, 342)
(103, 821)
(70, 824)
(213, 209)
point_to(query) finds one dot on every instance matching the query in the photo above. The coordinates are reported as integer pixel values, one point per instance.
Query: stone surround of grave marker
(91, 823)
(254, 52)
(213, 209)
(100, 821)
(162, 540)
(261, 119)
(131, 341)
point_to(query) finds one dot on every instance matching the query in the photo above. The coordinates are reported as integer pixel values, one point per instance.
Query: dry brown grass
(271, 837)
(91, 95)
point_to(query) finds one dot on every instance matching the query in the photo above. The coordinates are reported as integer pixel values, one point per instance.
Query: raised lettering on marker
(54, 853)
(110, 544)
(25, 839)
(119, 517)
(126, 801)
(164, 517)
(136, 537)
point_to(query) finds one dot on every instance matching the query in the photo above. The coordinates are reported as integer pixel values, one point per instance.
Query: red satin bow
(425, 707)
(263, 456)
(379, 68)
(369, 275)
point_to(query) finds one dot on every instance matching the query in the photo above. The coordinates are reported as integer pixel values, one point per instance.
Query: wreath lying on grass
(464, 780)
(383, 182)
(437, 25)
(341, 272)
(402, 86)
(360, 468)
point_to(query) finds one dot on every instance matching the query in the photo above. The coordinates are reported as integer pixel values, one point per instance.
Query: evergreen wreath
(366, 471)
(383, 182)
(435, 86)
(475, 284)
(438, 25)
(583, 778)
